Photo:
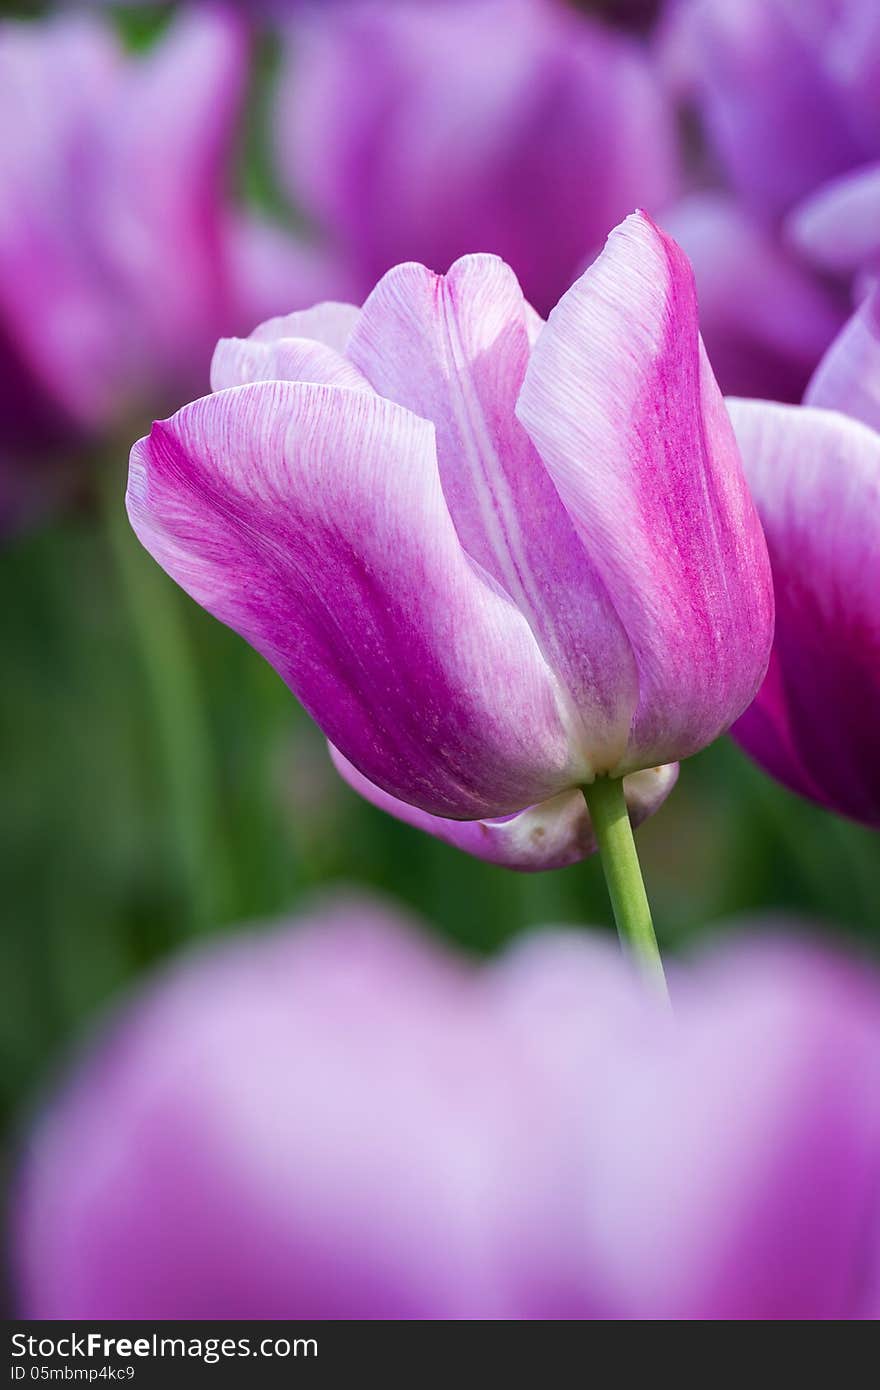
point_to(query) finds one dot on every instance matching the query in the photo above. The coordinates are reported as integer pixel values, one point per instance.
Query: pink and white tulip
(494, 558)
(336, 1119)
(815, 475)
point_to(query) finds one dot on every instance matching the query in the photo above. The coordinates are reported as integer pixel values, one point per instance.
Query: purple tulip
(838, 228)
(513, 126)
(336, 1120)
(815, 476)
(788, 91)
(121, 257)
(493, 558)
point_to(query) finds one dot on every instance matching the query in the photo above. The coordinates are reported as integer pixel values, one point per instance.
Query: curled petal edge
(551, 835)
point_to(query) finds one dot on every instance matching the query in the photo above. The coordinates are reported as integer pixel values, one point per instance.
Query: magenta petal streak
(621, 402)
(311, 519)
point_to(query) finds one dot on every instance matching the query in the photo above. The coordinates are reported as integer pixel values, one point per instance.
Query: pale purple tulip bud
(494, 558)
(815, 476)
(335, 1119)
(518, 127)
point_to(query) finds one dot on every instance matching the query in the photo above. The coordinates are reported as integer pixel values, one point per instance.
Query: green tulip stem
(606, 804)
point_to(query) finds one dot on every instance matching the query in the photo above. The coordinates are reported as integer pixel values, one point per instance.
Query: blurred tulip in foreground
(121, 256)
(495, 559)
(513, 126)
(815, 475)
(336, 1120)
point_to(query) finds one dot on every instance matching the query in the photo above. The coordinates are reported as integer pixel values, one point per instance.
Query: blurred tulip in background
(427, 131)
(783, 94)
(787, 90)
(335, 1119)
(122, 253)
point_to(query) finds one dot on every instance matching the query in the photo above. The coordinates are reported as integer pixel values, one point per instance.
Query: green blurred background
(161, 783)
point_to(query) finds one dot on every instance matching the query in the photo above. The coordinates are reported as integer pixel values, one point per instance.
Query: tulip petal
(238, 361)
(732, 1174)
(119, 262)
(334, 1118)
(815, 475)
(838, 228)
(621, 402)
(56, 82)
(848, 377)
(325, 1119)
(549, 836)
(312, 521)
(765, 731)
(307, 345)
(468, 333)
(161, 198)
(331, 323)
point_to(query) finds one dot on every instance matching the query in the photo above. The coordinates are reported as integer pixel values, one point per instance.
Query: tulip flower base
(632, 913)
